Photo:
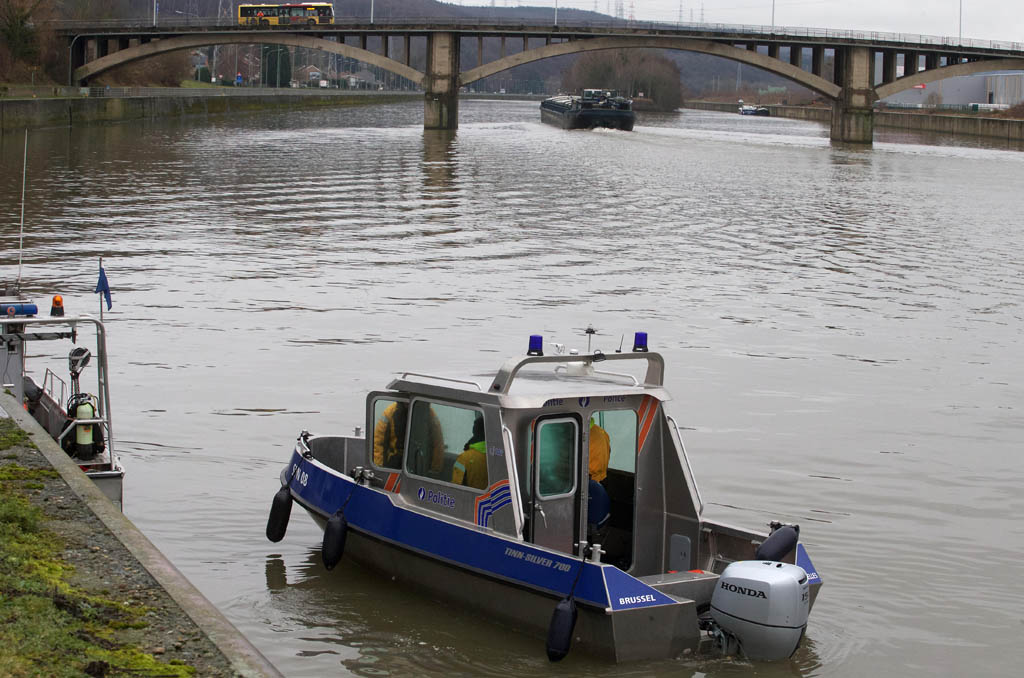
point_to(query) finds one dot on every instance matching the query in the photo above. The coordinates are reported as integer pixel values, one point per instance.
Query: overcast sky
(982, 19)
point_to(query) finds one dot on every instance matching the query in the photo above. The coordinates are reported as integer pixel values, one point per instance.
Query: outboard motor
(763, 605)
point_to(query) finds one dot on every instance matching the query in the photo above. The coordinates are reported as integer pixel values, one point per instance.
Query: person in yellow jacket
(389, 437)
(470, 468)
(600, 452)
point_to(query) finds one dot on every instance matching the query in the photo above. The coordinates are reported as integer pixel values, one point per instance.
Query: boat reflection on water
(373, 625)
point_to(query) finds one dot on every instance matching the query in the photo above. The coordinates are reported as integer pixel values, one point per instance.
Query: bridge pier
(852, 116)
(441, 84)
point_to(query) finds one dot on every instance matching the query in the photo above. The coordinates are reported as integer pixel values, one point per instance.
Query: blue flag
(103, 286)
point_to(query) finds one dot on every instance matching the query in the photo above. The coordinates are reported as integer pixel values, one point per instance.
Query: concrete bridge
(853, 83)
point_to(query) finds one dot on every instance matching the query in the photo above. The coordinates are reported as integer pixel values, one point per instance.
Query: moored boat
(556, 498)
(79, 421)
(595, 108)
(749, 109)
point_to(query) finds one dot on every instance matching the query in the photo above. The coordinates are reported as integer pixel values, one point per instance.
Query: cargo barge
(595, 108)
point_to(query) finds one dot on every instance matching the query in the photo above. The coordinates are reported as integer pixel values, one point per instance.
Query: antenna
(21, 233)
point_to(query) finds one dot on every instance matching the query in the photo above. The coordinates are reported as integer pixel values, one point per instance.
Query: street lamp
(961, 22)
(773, 17)
(556, 12)
(155, 6)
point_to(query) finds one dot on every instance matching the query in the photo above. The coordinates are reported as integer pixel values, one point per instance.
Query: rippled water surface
(842, 326)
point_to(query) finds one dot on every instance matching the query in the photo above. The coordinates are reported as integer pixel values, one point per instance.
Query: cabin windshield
(439, 442)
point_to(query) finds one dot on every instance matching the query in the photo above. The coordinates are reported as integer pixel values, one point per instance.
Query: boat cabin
(562, 459)
(595, 95)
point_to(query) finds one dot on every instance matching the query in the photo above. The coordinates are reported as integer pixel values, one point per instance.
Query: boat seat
(598, 510)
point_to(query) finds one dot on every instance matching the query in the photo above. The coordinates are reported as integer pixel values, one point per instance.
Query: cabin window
(390, 419)
(619, 480)
(620, 426)
(446, 444)
(556, 457)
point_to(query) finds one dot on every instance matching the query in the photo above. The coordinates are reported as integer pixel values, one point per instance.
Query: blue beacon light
(640, 342)
(536, 345)
(12, 310)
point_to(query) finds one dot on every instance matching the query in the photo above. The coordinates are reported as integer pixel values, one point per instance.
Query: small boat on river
(595, 108)
(556, 498)
(750, 109)
(79, 421)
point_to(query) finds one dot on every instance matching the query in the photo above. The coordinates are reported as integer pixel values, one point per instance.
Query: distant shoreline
(1009, 129)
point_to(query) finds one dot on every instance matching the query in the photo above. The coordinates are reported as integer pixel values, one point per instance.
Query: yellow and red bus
(286, 14)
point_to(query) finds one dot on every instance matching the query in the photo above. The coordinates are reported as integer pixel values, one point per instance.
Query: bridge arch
(155, 47)
(794, 73)
(925, 77)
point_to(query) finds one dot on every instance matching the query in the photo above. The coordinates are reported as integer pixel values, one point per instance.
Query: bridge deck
(762, 35)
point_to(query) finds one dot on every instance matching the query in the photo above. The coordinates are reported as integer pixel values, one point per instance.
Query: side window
(390, 421)
(612, 442)
(556, 457)
(446, 443)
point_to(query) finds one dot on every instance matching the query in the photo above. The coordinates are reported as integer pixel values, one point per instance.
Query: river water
(842, 328)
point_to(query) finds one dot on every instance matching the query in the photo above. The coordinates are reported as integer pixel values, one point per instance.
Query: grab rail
(439, 378)
(686, 460)
(654, 378)
(517, 505)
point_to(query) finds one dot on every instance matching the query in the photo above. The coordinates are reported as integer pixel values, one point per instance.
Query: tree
(20, 41)
(277, 66)
(631, 72)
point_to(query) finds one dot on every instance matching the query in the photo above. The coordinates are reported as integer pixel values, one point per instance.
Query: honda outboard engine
(762, 605)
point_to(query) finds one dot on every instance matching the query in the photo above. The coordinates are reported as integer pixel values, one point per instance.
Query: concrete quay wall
(16, 114)
(815, 113)
(138, 553)
(971, 125)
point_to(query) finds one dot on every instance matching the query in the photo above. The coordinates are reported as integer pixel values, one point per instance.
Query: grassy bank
(51, 622)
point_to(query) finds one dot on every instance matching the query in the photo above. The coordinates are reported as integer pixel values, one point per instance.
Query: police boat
(557, 499)
(79, 421)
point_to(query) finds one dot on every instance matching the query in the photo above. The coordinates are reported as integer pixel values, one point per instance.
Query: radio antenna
(21, 233)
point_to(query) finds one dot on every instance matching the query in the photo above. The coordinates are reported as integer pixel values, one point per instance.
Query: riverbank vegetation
(642, 74)
(48, 625)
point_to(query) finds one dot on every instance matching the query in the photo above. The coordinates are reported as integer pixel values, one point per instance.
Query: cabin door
(555, 480)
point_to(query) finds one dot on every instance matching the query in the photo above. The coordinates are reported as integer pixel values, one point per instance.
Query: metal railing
(775, 33)
(226, 91)
(944, 108)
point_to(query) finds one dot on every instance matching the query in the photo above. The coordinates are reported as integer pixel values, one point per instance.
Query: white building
(1004, 88)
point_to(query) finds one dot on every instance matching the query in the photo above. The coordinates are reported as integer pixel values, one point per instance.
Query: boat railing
(440, 378)
(50, 381)
(686, 461)
(517, 507)
(26, 329)
(655, 377)
(618, 375)
(69, 429)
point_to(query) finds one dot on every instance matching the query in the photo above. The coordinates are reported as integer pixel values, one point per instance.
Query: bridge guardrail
(453, 22)
(128, 92)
